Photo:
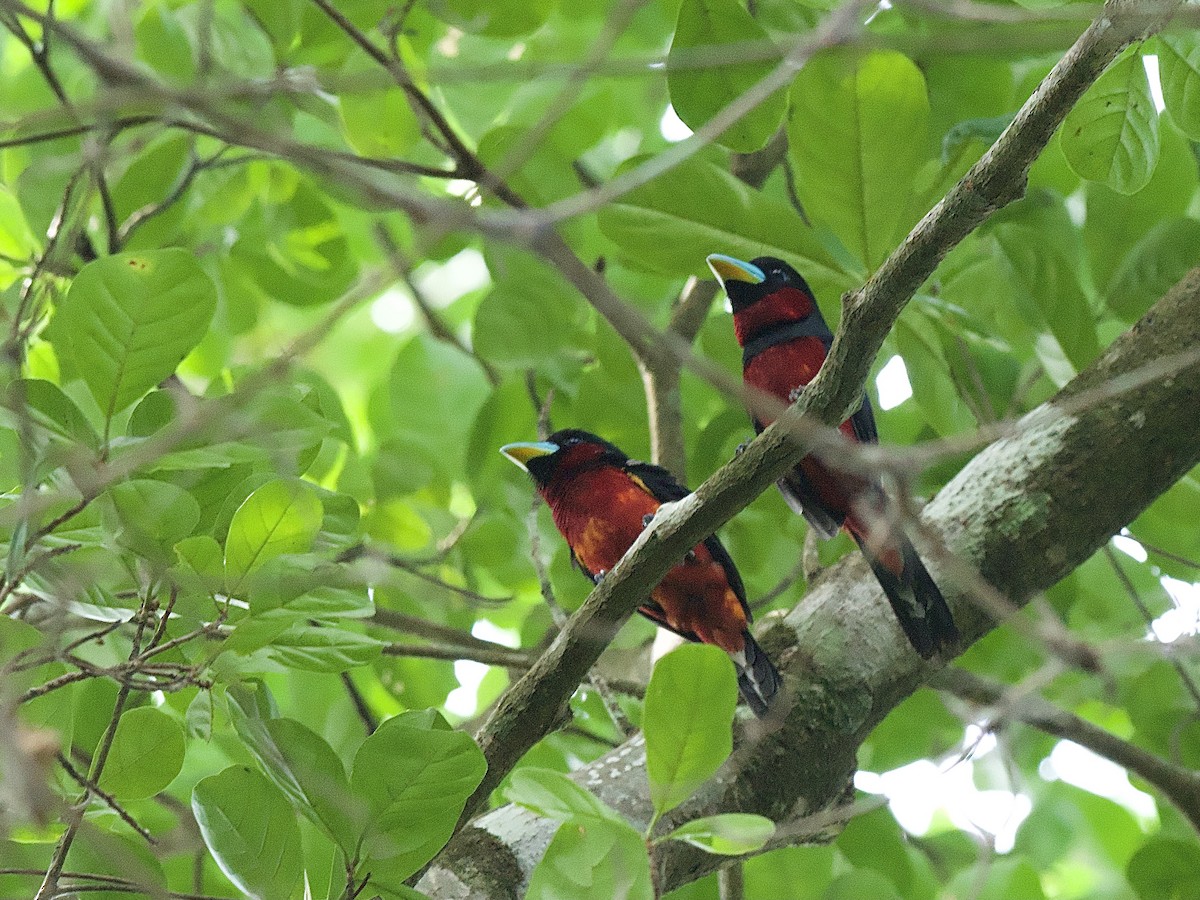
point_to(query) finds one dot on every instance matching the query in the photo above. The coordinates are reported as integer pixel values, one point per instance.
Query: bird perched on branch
(784, 342)
(601, 500)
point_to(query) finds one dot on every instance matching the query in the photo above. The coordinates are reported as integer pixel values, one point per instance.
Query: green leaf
(1179, 71)
(670, 224)
(556, 796)
(146, 755)
(728, 834)
(1115, 222)
(700, 92)
(201, 565)
(128, 320)
(416, 780)
(1153, 265)
(302, 765)
(280, 517)
(295, 251)
(687, 721)
(1111, 134)
(531, 318)
(49, 408)
(329, 650)
(1165, 868)
(251, 831)
(377, 121)
(593, 859)
(152, 516)
(1042, 249)
(857, 132)
(198, 720)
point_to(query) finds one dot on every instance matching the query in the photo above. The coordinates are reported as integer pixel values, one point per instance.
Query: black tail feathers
(758, 679)
(916, 600)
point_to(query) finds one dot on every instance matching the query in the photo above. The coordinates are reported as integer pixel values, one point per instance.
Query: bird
(600, 501)
(785, 340)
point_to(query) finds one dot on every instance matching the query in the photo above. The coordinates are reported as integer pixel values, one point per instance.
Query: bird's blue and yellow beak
(727, 269)
(524, 451)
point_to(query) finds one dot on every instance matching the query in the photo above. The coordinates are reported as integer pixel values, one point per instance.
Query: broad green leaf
(593, 859)
(302, 765)
(687, 721)
(201, 564)
(129, 319)
(330, 650)
(1115, 222)
(1111, 134)
(556, 796)
(152, 516)
(1042, 250)
(875, 841)
(1179, 71)
(162, 43)
(700, 92)
(928, 373)
(150, 178)
(146, 755)
(296, 251)
(49, 408)
(856, 134)
(435, 391)
(1166, 868)
(377, 121)
(531, 318)
(670, 224)
(1153, 265)
(416, 780)
(728, 834)
(251, 831)
(280, 517)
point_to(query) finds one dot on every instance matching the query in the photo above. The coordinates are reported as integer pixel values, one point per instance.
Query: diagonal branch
(1180, 785)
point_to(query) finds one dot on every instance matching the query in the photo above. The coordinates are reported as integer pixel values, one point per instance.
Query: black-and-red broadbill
(601, 500)
(784, 342)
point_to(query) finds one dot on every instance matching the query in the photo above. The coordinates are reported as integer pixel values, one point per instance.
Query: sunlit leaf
(700, 92)
(250, 830)
(129, 319)
(689, 708)
(1111, 134)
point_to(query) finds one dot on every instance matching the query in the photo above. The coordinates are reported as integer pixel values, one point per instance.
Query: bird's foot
(794, 393)
(599, 576)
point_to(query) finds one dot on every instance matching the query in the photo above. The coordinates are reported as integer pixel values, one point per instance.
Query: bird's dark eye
(570, 441)
(776, 273)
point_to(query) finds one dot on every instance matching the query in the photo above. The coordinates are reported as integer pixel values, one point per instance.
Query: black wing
(864, 423)
(662, 485)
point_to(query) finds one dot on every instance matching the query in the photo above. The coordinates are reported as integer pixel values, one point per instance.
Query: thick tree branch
(1025, 512)
(1180, 785)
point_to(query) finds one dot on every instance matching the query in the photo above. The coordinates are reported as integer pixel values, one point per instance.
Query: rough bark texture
(1025, 512)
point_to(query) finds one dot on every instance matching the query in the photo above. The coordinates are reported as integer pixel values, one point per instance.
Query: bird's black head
(748, 282)
(562, 453)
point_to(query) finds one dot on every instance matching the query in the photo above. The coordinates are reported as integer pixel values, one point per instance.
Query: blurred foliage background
(269, 310)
